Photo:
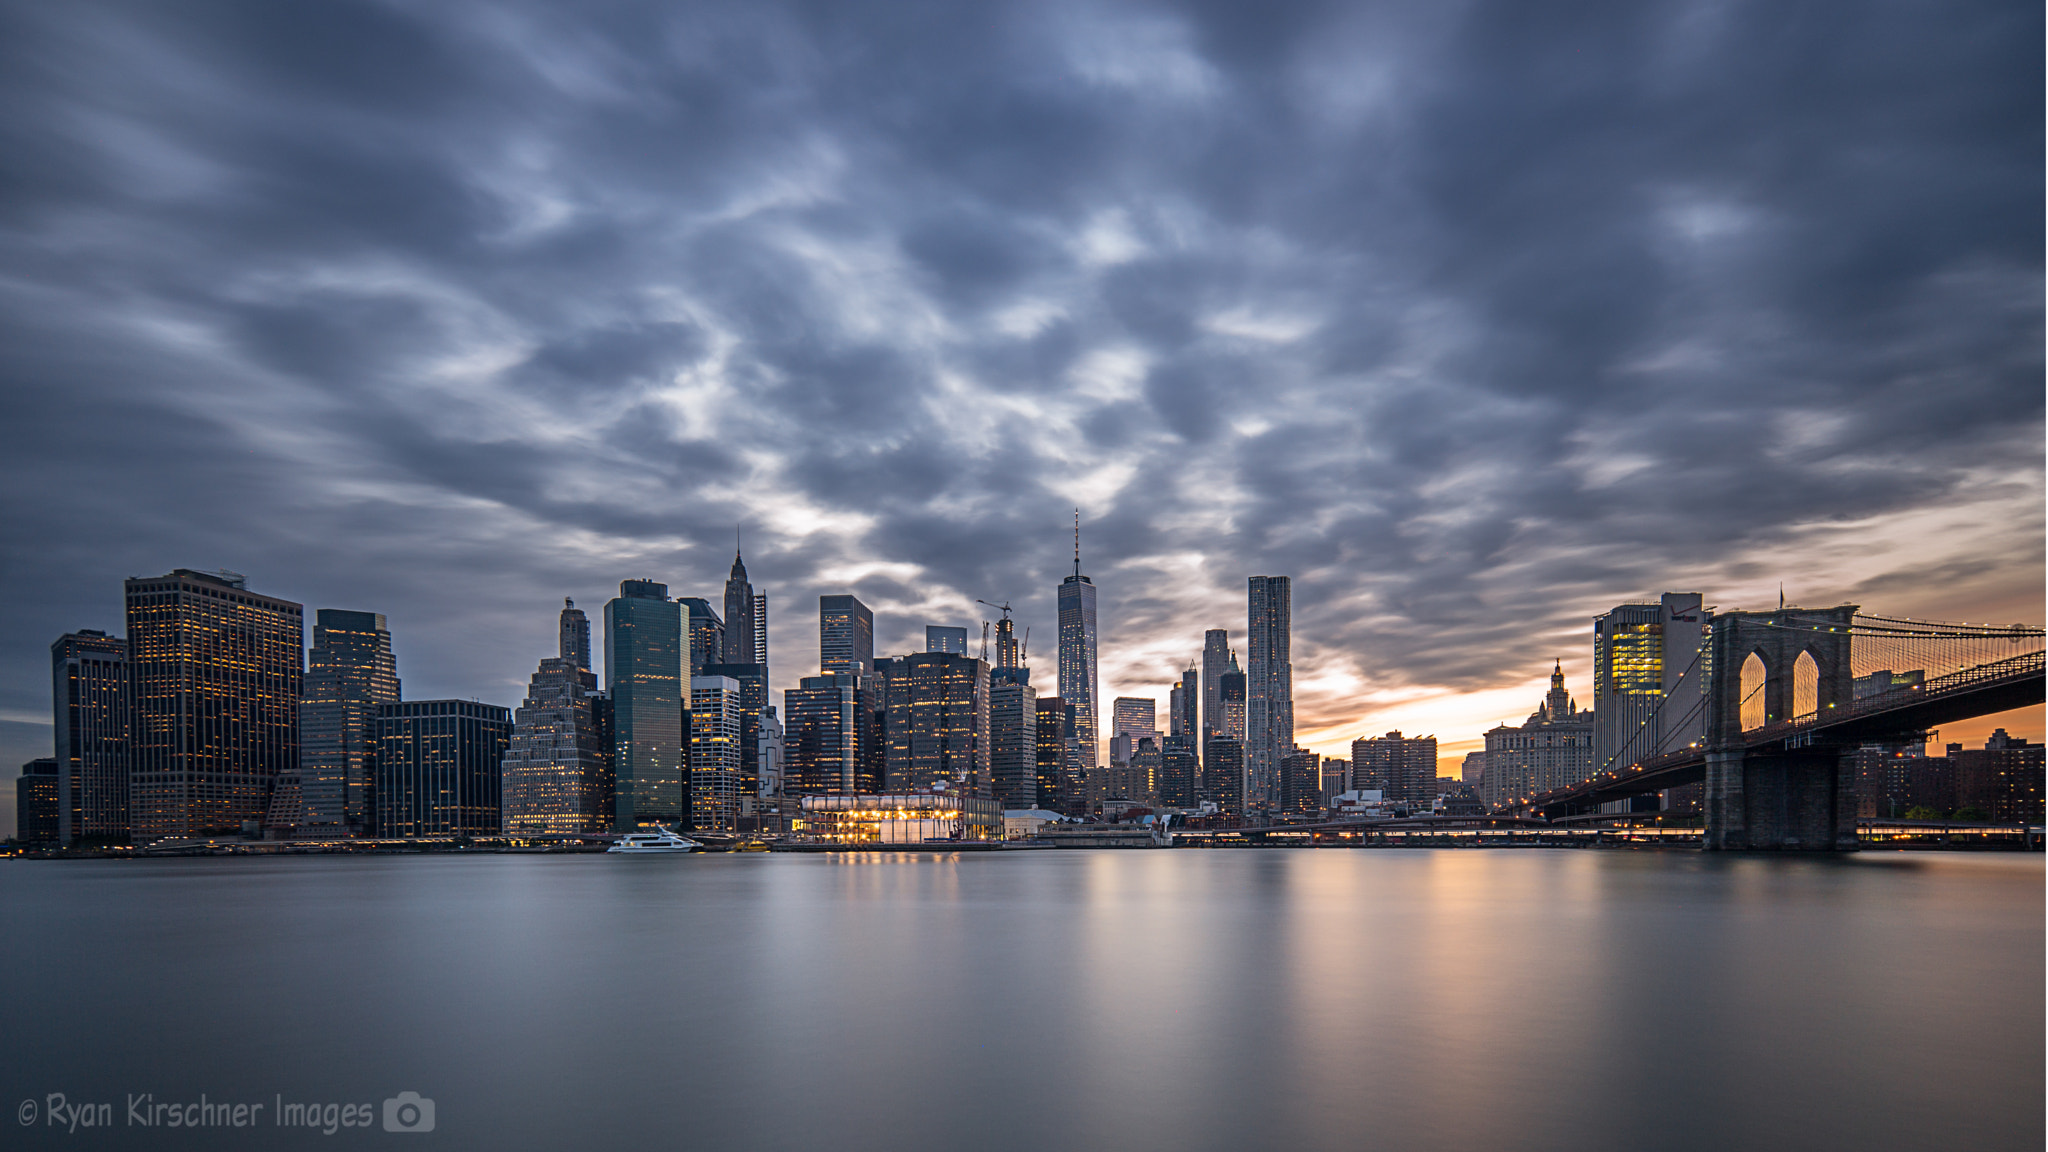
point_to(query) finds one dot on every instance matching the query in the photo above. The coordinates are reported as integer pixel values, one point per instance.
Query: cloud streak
(1475, 322)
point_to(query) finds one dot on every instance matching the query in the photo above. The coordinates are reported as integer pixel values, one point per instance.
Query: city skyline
(1360, 298)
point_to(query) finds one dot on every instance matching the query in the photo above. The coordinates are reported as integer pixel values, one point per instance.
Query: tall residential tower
(1269, 685)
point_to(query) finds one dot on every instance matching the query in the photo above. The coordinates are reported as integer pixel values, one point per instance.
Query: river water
(1285, 998)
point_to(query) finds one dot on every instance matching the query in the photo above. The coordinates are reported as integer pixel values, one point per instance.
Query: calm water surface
(1070, 1000)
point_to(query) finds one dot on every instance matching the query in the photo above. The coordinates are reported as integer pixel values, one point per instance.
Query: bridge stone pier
(1796, 798)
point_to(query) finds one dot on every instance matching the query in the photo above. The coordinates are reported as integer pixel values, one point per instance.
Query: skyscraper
(1651, 663)
(1301, 781)
(707, 633)
(1184, 712)
(741, 631)
(438, 764)
(89, 692)
(846, 635)
(944, 638)
(1059, 781)
(575, 627)
(556, 776)
(752, 702)
(715, 753)
(644, 666)
(1077, 654)
(1269, 686)
(829, 737)
(351, 673)
(216, 673)
(1216, 660)
(1179, 772)
(937, 722)
(1223, 774)
(35, 802)
(1134, 716)
(1230, 700)
(1402, 768)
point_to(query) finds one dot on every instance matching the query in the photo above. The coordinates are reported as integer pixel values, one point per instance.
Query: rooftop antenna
(1077, 541)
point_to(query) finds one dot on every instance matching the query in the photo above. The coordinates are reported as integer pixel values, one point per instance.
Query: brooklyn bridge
(1784, 718)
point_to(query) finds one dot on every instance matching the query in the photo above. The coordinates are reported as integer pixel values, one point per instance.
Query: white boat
(662, 841)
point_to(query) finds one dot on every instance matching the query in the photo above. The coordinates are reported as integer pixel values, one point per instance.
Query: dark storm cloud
(1475, 318)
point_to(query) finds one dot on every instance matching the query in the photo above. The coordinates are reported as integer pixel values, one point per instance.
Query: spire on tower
(1077, 541)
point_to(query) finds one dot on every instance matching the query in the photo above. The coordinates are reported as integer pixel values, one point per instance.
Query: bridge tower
(1793, 795)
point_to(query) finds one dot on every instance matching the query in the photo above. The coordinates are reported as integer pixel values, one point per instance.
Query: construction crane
(1024, 650)
(1006, 637)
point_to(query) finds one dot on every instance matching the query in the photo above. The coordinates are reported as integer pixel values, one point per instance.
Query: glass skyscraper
(351, 673)
(438, 764)
(89, 691)
(846, 635)
(1268, 686)
(644, 674)
(1644, 654)
(1077, 655)
(557, 772)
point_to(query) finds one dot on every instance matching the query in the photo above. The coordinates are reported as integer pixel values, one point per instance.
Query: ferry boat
(662, 841)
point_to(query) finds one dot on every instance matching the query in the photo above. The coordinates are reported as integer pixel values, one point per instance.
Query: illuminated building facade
(846, 635)
(438, 765)
(556, 775)
(351, 673)
(1013, 737)
(644, 666)
(1552, 749)
(1268, 685)
(832, 735)
(753, 705)
(745, 638)
(1216, 660)
(1230, 701)
(1401, 768)
(1134, 717)
(1077, 681)
(89, 694)
(936, 722)
(1060, 780)
(35, 803)
(1179, 772)
(942, 638)
(1644, 655)
(902, 817)
(716, 781)
(216, 673)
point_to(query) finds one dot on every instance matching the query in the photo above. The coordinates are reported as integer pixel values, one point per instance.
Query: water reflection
(1302, 999)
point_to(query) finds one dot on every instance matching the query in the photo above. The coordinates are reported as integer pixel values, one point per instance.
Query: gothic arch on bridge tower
(1805, 684)
(1779, 642)
(1754, 676)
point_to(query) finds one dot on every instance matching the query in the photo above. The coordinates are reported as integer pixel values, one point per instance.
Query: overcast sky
(1475, 319)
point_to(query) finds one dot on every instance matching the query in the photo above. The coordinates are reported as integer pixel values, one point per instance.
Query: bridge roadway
(1978, 691)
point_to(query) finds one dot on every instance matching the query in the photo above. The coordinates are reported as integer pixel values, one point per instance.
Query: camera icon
(408, 1112)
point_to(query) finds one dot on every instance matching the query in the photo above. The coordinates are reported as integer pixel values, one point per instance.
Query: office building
(1336, 779)
(1301, 782)
(936, 715)
(1216, 660)
(1223, 774)
(716, 784)
(1401, 768)
(753, 705)
(216, 673)
(89, 695)
(1650, 671)
(1230, 701)
(556, 773)
(351, 673)
(1553, 748)
(1268, 685)
(644, 666)
(1077, 682)
(1060, 782)
(1013, 738)
(707, 632)
(941, 638)
(846, 635)
(832, 738)
(744, 636)
(1134, 716)
(35, 803)
(438, 764)
(1180, 772)
(1184, 704)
